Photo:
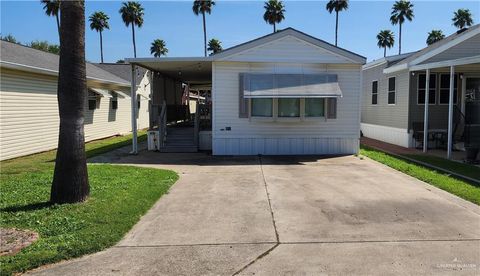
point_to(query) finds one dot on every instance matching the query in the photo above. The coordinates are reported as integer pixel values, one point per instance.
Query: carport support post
(450, 113)
(133, 94)
(425, 119)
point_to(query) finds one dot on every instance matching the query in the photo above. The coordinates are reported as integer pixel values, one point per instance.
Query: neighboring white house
(394, 97)
(284, 93)
(28, 102)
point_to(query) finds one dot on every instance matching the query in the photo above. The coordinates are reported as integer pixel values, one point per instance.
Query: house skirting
(285, 146)
(392, 135)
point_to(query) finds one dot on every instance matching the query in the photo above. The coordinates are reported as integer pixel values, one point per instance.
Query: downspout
(133, 94)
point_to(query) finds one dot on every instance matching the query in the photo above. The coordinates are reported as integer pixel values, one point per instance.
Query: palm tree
(214, 45)
(51, 8)
(132, 14)
(158, 48)
(70, 178)
(385, 38)
(202, 7)
(402, 10)
(9, 38)
(434, 36)
(274, 13)
(99, 22)
(462, 18)
(337, 6)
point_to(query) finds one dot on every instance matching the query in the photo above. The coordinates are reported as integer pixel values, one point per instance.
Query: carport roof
(191, 70)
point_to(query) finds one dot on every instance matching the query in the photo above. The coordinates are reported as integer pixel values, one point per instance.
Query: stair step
(179, 149)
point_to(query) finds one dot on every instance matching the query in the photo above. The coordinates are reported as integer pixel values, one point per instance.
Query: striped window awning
(291, 86)
(101, 92)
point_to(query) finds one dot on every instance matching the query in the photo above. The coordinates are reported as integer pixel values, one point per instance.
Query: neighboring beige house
(28, 102)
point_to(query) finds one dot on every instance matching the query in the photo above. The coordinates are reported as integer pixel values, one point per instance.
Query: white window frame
(436, 88)
(276, 118)
(394, 90)
(371, 93)
(455, 99)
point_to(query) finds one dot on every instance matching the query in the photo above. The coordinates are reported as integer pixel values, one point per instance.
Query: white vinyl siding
(29, 115)
(313, 136)
(288, 49)
(382, 114)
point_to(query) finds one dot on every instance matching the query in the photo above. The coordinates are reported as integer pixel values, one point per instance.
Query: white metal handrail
(196, 124)
(162, 124)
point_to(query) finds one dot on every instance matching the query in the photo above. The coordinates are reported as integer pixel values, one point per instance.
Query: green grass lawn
(438, 179)
(457, 167)
(119, 196)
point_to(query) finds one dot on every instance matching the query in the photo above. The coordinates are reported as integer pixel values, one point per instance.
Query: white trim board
(391, 135)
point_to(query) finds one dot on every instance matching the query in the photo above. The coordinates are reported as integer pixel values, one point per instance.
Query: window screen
(92, 100)
(374, 92)
(445, 89)
(432, 89)
(262, 107)
(288, 107)
(391, 90)
(315, 107)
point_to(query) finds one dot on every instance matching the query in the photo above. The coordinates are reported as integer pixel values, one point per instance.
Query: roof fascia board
(374, 63)
(395, 68)
(446, 63)
(38, 70)
(445, 47)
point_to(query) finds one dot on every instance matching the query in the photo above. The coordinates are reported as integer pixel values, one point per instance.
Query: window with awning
(291, 86)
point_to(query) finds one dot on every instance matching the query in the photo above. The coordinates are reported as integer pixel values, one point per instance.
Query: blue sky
(234, 22)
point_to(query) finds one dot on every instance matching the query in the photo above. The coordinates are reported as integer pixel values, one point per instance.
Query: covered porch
(179, 106)
(447, 96)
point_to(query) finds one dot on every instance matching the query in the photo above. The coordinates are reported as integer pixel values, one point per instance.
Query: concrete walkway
(290, 216)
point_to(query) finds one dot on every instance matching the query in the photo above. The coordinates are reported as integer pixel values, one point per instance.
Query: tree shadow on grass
(28, 207)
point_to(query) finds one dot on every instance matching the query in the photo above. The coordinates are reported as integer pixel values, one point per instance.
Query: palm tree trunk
(204, 34)
(400, 39)
(133, 39)
(274, 27)
(70, 178)
(384, 51)
(336, 29)
(101, 47)
(58, 25)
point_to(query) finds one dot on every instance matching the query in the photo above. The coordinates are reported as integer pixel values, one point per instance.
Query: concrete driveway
(290, 216)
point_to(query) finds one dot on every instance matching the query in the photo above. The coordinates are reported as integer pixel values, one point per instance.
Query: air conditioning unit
(153, 140)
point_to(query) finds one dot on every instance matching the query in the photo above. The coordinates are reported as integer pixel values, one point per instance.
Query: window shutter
(242, 102)
(331, 108)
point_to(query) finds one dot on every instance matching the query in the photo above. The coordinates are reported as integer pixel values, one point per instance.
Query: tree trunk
(204, 34)
(384, 51)
(133, 39)
(274, 27)
(101, 47)
(400, 39)
(336, 28)
(58, 25)
(70, 179)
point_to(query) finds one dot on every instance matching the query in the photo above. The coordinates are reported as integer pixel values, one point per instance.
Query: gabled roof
(20, 57)
(122, 70)
(435, 48)
(355, 58)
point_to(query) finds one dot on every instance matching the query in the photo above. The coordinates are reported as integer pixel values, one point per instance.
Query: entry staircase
(175, 137)
(179, 139)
